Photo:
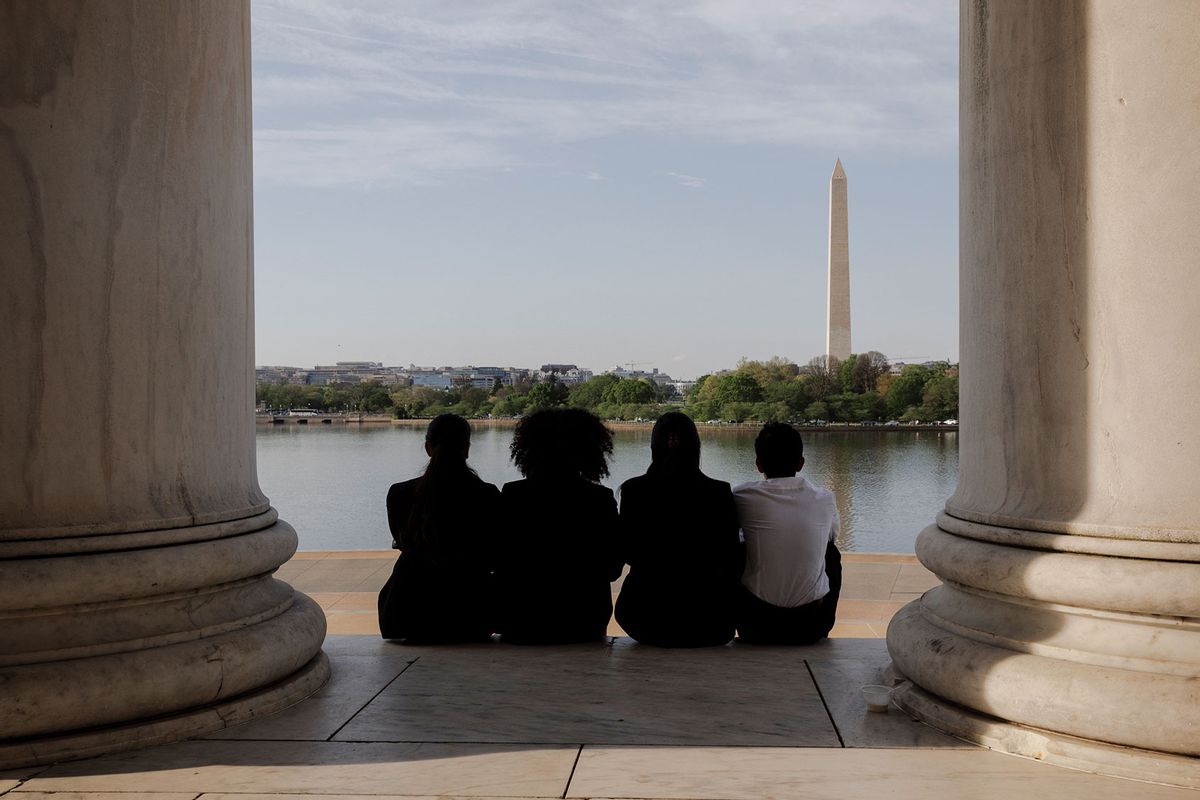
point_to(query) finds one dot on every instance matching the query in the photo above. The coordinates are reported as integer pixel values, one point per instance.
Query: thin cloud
(523, 82)
(690, 181)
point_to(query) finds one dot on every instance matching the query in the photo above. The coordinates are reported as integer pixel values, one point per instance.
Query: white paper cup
(878, 697)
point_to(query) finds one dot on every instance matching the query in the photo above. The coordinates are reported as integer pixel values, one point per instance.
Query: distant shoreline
(321, 420)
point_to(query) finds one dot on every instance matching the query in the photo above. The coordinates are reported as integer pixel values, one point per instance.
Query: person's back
(679, 537)
(559, 553)
(558, 561)
(792, 578)
(440, 586)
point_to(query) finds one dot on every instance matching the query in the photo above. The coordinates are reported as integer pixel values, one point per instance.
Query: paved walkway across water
(612, 719)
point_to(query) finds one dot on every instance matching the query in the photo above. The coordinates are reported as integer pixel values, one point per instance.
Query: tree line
(858, 389)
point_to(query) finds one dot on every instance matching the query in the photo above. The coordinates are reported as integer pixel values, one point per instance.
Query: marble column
(1068, 625)
(137, 602)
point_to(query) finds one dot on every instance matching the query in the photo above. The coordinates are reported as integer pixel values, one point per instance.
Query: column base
(171, 728)
(1041, 745)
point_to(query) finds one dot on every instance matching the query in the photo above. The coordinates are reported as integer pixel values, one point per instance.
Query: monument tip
(838, 172)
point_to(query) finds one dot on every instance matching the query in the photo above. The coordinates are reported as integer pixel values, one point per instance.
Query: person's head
(559, 442)
(778, 450)
(674, 446)
(448, 436)
(447, 443)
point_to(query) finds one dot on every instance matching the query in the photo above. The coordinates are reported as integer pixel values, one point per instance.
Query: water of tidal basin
(330, 482)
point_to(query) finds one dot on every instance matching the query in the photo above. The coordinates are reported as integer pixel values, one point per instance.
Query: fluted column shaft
(136, 549)
(1068, 625)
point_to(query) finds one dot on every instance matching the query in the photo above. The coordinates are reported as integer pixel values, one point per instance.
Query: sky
(645, 182)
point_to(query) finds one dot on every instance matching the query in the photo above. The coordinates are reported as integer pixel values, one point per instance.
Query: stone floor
(607, 720)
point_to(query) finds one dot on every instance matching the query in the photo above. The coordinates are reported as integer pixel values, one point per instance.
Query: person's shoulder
(598, 490)
(636, 484)
(403, 487)
(746, 487)
(484, 488)
(714, 484)
(515, 487)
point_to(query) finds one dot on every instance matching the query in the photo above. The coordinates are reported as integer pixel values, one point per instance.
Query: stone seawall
(508, 422)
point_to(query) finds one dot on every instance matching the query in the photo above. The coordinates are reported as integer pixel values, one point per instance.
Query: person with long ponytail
(440, 587)
(679, 535)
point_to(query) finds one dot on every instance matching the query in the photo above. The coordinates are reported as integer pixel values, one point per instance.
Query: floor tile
(293, 569)
(852, 630)
(219, 796)
(352, 684)
(369, 646)
(337, 575)
(322, 768)
(374, 580)
(841, 680)
(868, 610)
(915, 578)
(358, 601)
(352, 623)
(103, 795)
(708, 773)
(879, 558)
(325, 600)
(635, 695)
(5, 785)
(870, 581)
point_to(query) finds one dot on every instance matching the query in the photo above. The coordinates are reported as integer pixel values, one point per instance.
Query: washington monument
(837, 336)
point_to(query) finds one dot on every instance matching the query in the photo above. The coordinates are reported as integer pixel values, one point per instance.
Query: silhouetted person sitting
(793, 574)
(440, 588)
(559, 555)
(679, 535)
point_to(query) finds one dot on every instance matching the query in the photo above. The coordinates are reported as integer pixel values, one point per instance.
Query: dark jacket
(557, 561)
(679, 536)
(441, 590)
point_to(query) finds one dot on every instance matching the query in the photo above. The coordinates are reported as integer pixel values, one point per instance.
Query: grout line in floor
(821, 695)
(571, 777)
(373, 698)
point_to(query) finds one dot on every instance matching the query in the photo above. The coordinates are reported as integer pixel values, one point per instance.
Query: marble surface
(841, 680)
(750, 773)
(353, 684)
(598, 694)
(322, 767)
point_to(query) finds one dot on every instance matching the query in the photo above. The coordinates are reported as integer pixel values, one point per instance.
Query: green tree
(907, 390)
(866, 370)
(774, 370)
(546, 394)
(940, 399)
(845, 376)
(792, 393)
(816, 410)
(822, 377)
(592, 392)
(738, 387)
(629, 391)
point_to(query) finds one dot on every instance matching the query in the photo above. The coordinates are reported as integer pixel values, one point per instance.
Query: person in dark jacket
(440, 587)
(559, 556)
(679, 535)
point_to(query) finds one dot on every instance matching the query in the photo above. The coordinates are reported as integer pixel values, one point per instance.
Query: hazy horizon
(531, 182)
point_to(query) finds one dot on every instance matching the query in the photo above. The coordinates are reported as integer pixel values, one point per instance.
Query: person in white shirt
(793, 572)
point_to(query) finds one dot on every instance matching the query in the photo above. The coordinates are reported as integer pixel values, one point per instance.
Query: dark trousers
(760, 622)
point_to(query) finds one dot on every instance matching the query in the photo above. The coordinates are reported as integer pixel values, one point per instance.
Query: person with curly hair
(560, 554)
(440, 587)
(679, 535)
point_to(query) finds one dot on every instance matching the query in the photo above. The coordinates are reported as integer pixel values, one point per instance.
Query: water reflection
(330, 482)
